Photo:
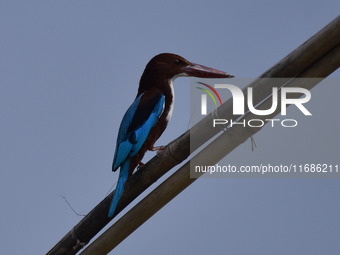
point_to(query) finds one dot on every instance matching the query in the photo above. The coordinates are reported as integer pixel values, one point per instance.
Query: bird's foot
(140, 165)
(159, 149)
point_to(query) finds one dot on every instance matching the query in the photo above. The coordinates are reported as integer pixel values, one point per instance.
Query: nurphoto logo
(240, 100)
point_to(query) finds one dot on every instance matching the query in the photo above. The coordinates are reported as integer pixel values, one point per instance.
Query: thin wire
(83, 215)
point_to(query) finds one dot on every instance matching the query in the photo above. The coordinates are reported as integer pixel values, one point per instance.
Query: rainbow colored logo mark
(209, 93)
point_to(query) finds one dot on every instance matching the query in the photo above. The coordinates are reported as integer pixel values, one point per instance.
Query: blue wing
(137, 122)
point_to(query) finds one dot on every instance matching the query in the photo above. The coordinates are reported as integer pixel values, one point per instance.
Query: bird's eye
(178, 61)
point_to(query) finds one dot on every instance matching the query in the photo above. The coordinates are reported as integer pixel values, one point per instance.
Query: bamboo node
(79, 243)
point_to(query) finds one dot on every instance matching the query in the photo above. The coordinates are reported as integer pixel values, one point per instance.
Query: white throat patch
(168, 117)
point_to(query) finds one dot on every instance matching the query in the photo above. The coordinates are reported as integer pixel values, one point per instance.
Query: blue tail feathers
(123, 175)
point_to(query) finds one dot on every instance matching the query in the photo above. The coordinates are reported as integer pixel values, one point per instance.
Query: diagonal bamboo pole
(210, 155)
(291, 66)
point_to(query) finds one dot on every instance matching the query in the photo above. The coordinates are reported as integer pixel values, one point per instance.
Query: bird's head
(173, 65)
(168, 66)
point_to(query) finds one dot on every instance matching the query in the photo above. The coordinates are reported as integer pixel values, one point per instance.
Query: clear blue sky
(70, 69)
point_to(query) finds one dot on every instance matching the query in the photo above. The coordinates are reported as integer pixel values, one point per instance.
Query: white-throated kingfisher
(148, 116)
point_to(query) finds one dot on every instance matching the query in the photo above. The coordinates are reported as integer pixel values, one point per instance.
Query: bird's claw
(159, 149)
(140, 165)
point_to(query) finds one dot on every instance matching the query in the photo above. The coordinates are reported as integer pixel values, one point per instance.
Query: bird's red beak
(200, 71)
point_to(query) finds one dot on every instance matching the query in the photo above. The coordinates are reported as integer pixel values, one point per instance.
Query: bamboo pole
(210, 155)
(295, 63)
